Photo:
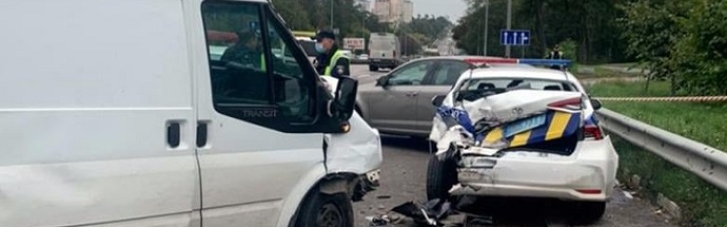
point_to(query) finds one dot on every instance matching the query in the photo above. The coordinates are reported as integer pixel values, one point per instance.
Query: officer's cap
(324, 34)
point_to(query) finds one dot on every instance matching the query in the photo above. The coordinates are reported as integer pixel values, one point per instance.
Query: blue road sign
(515, 37)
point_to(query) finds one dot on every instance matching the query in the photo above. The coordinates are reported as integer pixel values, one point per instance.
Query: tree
(293, 13)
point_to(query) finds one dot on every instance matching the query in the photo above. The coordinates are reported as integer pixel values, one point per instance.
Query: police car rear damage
(528, 143)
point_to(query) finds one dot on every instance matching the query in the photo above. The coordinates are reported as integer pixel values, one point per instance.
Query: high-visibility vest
(339, 54)
(262, 62)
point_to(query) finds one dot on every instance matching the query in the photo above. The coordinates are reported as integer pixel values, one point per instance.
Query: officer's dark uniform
(555, 54)
(333, 62)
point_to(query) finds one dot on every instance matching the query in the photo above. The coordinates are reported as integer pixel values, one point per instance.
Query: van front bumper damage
(356, 155)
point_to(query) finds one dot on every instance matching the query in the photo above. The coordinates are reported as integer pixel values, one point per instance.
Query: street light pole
(487, 24)
(332, 15)
(509, 24)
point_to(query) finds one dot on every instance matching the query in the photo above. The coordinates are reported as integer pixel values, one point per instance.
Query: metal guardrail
(706, 162)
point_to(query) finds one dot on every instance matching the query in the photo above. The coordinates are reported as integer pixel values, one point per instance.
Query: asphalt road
(403, 177)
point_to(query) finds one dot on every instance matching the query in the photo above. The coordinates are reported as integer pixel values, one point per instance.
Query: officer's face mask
(319, 48)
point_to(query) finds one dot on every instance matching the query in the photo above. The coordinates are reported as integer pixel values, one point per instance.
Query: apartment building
(365, 4)
(407, 11)
(394, 11)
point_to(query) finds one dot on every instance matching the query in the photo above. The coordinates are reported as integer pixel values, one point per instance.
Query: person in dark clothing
(555, 54)
(330, 60)
(247, 51)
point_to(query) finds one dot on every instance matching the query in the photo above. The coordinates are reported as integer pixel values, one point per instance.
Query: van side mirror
(596, 104)
(344, 102)
(438, 100)
(382, 81)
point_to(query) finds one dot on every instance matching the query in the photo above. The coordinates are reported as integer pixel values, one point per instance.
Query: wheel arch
(314, 182)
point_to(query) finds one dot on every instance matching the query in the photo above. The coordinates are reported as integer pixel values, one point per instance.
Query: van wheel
(586, 213)
(373, 68)
(441, 177)
(322, 210)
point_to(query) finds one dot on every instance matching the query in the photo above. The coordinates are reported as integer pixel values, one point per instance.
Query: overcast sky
(452, 8)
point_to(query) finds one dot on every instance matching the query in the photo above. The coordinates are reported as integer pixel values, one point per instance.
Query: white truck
(384, 51)
(125, 113)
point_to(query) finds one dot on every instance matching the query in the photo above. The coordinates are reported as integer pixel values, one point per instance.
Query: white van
(384, 51)
(120, 113)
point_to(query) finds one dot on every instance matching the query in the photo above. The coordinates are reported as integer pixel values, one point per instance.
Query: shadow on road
(405, 143)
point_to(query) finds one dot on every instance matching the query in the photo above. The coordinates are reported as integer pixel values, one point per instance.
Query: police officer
(555, 54)
(330, 60)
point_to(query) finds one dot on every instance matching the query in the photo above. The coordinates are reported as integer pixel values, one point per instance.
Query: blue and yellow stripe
(558, 124)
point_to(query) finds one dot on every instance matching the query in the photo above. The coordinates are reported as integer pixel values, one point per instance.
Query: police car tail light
(570, 104)
(592, 131)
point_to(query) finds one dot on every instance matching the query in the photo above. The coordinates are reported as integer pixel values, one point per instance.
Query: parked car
(400, 101)
(530, 132)
(127, 116)
(363, 57)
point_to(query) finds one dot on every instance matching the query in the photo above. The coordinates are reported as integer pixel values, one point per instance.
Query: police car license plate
(523, 125)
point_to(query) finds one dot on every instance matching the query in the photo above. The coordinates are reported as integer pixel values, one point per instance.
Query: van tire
(325, 210)
(441, 177)
(586, 213)
(373, 68)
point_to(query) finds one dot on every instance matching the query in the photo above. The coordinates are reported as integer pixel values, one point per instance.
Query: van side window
(287, 72)
(255, 65)
(236, 59)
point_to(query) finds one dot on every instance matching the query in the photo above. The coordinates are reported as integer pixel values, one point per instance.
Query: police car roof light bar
(526, 61)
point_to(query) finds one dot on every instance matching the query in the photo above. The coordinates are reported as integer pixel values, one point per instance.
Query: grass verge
(703, 122)
(702, 204)
(603, 71)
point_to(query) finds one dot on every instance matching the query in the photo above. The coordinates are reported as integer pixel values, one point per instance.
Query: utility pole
(332, 15)
(487, 24)
(509, 24)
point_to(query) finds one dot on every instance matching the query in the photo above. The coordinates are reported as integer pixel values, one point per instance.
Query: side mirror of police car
(438, 100)
(596, 104)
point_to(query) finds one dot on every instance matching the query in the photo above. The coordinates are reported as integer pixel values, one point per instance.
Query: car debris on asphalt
(435, 212)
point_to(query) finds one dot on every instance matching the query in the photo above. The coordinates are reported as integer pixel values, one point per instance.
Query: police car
(522, 132)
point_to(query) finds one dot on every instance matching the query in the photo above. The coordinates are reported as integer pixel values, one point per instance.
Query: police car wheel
(373, 68)
(441, 176)
(324, 210)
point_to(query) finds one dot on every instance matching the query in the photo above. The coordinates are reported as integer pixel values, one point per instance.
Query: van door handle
(201, 134)
(173, 134)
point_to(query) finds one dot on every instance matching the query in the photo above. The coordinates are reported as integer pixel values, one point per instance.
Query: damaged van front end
(525, 143)
(355, 156)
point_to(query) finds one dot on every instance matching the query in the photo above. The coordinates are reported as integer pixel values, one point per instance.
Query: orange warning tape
(667, 99)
